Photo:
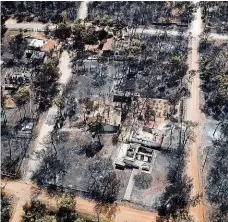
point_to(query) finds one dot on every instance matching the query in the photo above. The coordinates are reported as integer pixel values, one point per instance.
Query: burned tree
(5, 207)
(216, 189)
(177, 198)
(52, 169)
(103, 183)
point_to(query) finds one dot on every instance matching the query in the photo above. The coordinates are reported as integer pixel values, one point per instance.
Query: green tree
(18, 45)
(80, 220)
(106, 209)
(33, 211)
(66, 201)
(62, 31)
(47, 218)
(22, 97)
(66, 208)
(89, 35)
(45, 83)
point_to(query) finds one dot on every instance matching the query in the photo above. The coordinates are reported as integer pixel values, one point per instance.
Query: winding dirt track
(23, 193)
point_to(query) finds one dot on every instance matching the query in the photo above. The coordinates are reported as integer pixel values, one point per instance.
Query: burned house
(14, 78)
(126, 97)
(37, 57)
(151, 140)
(17, 78)
(153, 109)
(127, 84)
(24, 129)
(134, 156)
(138, 149)
(132, 71)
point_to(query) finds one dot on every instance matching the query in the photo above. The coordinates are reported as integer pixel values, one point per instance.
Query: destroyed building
(134, 155)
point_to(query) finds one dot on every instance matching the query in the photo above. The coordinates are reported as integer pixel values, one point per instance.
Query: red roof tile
(47, 47)
(108, 45)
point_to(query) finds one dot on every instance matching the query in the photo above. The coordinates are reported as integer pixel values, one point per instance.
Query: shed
(107, 128)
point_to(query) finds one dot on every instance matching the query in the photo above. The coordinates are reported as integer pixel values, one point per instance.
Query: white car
(95, 57)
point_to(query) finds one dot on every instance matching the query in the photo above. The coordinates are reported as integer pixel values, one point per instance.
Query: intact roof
(37, 43)
(107, 45)
(48, 46)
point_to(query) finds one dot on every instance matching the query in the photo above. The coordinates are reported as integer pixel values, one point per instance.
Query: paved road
(23, 193)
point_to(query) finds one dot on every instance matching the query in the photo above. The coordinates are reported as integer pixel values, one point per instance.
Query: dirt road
(23, 193)
(48, 125)
(36, 26)
(154, 31)
(193, 114)
(83, 10)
